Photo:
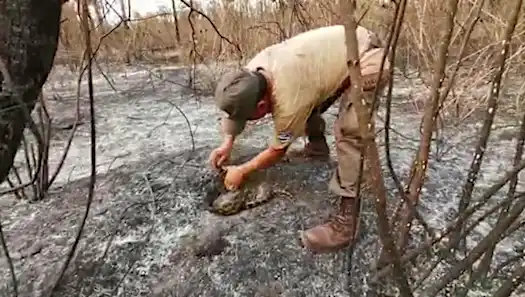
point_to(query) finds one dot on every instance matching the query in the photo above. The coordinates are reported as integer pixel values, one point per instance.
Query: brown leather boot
(317, 148)
(339, 232)
(314, 148)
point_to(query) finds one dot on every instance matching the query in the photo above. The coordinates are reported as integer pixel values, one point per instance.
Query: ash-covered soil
(148, 233)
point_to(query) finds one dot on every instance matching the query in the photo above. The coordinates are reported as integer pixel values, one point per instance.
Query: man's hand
(221, 154)
(234, 177)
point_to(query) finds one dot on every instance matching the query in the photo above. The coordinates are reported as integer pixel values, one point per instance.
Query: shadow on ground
(149, 235)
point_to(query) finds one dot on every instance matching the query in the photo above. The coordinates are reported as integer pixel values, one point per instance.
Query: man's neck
(268, 96)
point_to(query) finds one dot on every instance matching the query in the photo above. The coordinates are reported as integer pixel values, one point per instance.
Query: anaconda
(227, 203)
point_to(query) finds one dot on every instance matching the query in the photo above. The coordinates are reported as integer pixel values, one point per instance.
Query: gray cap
(237, 93)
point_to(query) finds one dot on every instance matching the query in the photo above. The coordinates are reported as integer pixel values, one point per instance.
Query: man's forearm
(263, 160)
(227, 141)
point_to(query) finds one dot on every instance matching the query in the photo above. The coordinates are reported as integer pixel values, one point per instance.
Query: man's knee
(348, 146)
(345, 177)
(346, 126)
(315, 126)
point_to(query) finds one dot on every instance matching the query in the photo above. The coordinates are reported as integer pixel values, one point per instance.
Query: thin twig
(420, 163)
(511, 283)
(484, 265)
(92, 181)
(477, 251)
(14, 281)
(492, 107)
(452, 226)
(8, 82)
(75, 124)
(192, 9)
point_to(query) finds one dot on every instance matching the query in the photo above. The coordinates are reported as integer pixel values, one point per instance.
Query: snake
(228, 203)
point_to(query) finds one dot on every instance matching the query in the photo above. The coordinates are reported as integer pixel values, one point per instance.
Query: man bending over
(296, 81)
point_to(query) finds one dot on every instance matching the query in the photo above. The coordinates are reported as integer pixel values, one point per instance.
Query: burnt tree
(29, 31)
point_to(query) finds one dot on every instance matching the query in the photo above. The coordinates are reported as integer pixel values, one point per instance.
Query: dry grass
(223, 34)
(247, 29)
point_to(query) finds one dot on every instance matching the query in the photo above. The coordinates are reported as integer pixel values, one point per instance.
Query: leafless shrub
(472, 52)
(455, 233)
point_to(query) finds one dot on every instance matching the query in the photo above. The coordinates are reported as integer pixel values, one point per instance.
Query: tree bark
(29, 31)
(176, 21)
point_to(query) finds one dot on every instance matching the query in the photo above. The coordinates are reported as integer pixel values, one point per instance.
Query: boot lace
(341, 223)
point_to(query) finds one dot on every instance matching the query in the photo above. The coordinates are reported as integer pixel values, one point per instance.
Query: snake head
(213, 187)
(228, 203)
(222, 172)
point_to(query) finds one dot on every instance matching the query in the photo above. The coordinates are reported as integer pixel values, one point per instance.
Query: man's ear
(263, 105)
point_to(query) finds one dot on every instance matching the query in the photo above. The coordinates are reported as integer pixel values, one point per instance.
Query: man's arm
(228, 141)
(264, 159)
(230, 130)
(286, 128)
(222, 153)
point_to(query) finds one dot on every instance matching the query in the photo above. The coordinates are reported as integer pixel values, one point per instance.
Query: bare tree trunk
(283, 5)
(508, 218)
(99, 11)
(124, 15)
(29, 31)
(420, 163)
(370, 151)
(175, 20)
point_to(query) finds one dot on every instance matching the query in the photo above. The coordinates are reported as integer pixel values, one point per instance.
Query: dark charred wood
(29, 31)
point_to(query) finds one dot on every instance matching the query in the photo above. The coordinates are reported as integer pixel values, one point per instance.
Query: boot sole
(305, 243)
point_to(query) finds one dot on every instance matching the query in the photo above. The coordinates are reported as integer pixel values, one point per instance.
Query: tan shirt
(306, 70)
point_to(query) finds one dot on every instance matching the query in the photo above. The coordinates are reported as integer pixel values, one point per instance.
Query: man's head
(240, 94)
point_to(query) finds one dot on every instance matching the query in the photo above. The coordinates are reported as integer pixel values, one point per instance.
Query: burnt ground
(148, 233)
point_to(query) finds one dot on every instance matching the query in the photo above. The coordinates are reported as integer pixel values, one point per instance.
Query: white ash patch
(142, 135)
